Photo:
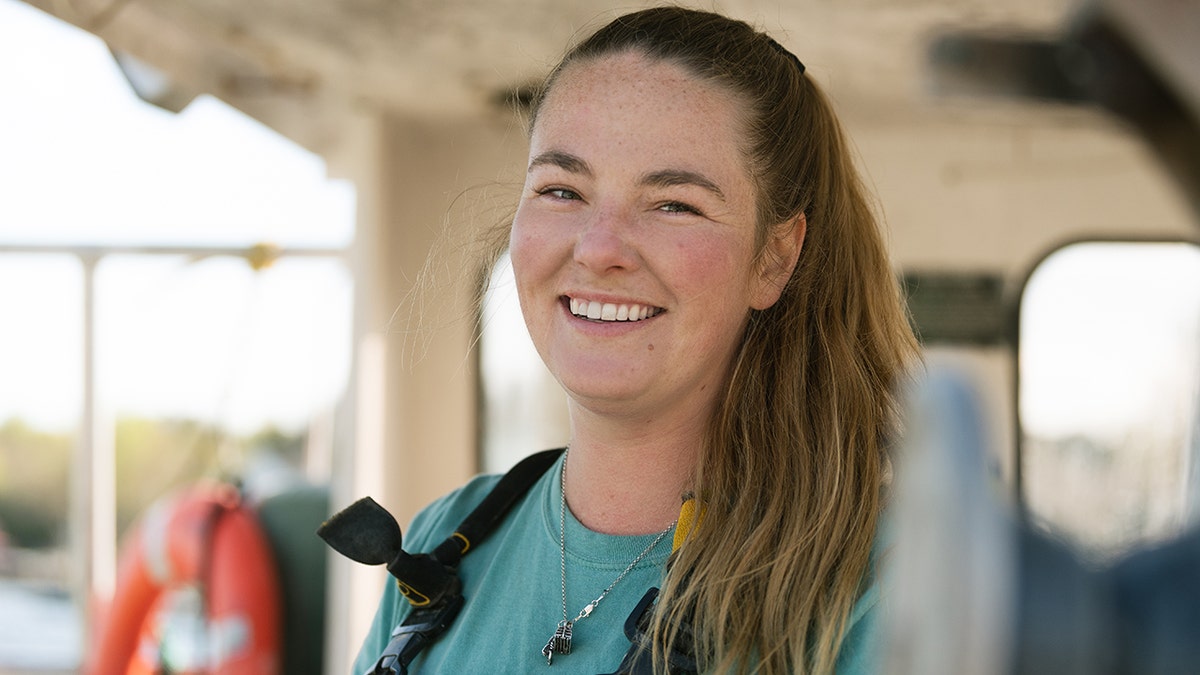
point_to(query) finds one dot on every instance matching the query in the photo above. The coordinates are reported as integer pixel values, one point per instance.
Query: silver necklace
(560, 642)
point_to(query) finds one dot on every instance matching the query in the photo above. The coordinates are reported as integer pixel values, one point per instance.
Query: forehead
(644, 108)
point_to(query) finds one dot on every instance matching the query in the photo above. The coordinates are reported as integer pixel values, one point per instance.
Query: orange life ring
(196, 593)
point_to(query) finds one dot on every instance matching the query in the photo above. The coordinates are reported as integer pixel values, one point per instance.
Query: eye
(678, 207)
(561, 193)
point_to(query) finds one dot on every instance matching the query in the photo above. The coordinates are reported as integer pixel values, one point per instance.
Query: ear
(778, 261)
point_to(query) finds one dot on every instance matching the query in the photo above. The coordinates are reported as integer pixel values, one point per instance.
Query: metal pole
(92, 501)
(92, 498)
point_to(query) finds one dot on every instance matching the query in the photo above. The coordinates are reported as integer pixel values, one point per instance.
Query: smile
(608, 311)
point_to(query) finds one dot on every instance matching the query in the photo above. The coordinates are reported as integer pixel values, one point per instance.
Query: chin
(591, 390)
(602, 395)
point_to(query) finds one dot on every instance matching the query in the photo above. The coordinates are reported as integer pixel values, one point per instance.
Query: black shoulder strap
(639, 659)
(495, 506)
(365, 532)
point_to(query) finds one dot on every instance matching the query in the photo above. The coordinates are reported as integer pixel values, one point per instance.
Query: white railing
(92, 483)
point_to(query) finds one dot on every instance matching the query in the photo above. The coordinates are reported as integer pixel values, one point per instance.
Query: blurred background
(237, 243)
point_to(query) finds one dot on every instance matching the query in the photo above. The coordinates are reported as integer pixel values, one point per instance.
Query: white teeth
(610, 311)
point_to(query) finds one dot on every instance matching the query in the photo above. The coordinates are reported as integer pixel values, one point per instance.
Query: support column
(359, 441)
(409, 427)
(93, 482)
(444, 183)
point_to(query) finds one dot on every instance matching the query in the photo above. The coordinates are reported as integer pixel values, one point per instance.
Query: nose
(605, 243)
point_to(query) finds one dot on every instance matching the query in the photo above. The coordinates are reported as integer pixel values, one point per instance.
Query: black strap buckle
(639, 660)
(421, 628)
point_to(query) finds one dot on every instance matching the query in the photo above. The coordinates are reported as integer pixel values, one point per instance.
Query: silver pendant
(560, 642)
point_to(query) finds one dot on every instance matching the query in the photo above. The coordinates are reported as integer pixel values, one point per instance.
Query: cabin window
(206, 365)
(41, 357)
(130, 224)
(1108, 381)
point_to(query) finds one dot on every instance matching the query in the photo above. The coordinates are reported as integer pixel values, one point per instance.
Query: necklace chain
(560, 642)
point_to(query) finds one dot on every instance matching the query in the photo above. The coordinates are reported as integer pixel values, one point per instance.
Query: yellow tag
(690, 515)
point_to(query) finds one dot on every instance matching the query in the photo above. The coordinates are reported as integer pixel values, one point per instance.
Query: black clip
(639, 660)
(421, 628)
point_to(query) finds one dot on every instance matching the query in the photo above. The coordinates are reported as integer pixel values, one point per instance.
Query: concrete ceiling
(286, 61)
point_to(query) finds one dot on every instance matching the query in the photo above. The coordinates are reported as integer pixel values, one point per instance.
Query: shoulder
(862, 648)
(438, 520)
(431, 526)
(428, 529)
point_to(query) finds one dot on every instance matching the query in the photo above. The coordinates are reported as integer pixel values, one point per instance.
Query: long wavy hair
(793, 469)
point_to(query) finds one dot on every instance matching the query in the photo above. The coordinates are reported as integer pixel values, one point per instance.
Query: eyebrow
(673, 177)
(663, 178)
(563, 160)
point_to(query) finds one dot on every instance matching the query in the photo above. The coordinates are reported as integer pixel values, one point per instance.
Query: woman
(699, 267)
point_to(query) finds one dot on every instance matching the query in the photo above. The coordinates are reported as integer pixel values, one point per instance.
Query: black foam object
(364, 532)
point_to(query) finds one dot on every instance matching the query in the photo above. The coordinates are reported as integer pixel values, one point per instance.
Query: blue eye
(561, 193)
(678, 207)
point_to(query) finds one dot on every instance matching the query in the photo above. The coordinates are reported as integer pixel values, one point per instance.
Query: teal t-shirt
(513, 591)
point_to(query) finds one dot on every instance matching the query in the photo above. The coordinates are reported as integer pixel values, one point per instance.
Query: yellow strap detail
(466, 542)
(414, 597)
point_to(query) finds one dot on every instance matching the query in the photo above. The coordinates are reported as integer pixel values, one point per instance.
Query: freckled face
(633, 244)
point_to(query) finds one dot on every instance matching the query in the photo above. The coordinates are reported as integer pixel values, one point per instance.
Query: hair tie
(784, 51)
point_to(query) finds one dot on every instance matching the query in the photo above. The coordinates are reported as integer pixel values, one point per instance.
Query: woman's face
(633, 245)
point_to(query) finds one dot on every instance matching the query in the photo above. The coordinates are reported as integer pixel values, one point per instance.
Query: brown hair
(795, 458)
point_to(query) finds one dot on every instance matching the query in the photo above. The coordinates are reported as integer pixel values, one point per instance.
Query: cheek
(525, 250)
(715, 269)
(536, 257)
(524, 258)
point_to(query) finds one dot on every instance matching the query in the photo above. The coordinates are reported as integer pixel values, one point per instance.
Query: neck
(628, 478)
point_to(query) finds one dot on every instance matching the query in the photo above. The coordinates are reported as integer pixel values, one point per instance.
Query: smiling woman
(637, 198)
(699, 269)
